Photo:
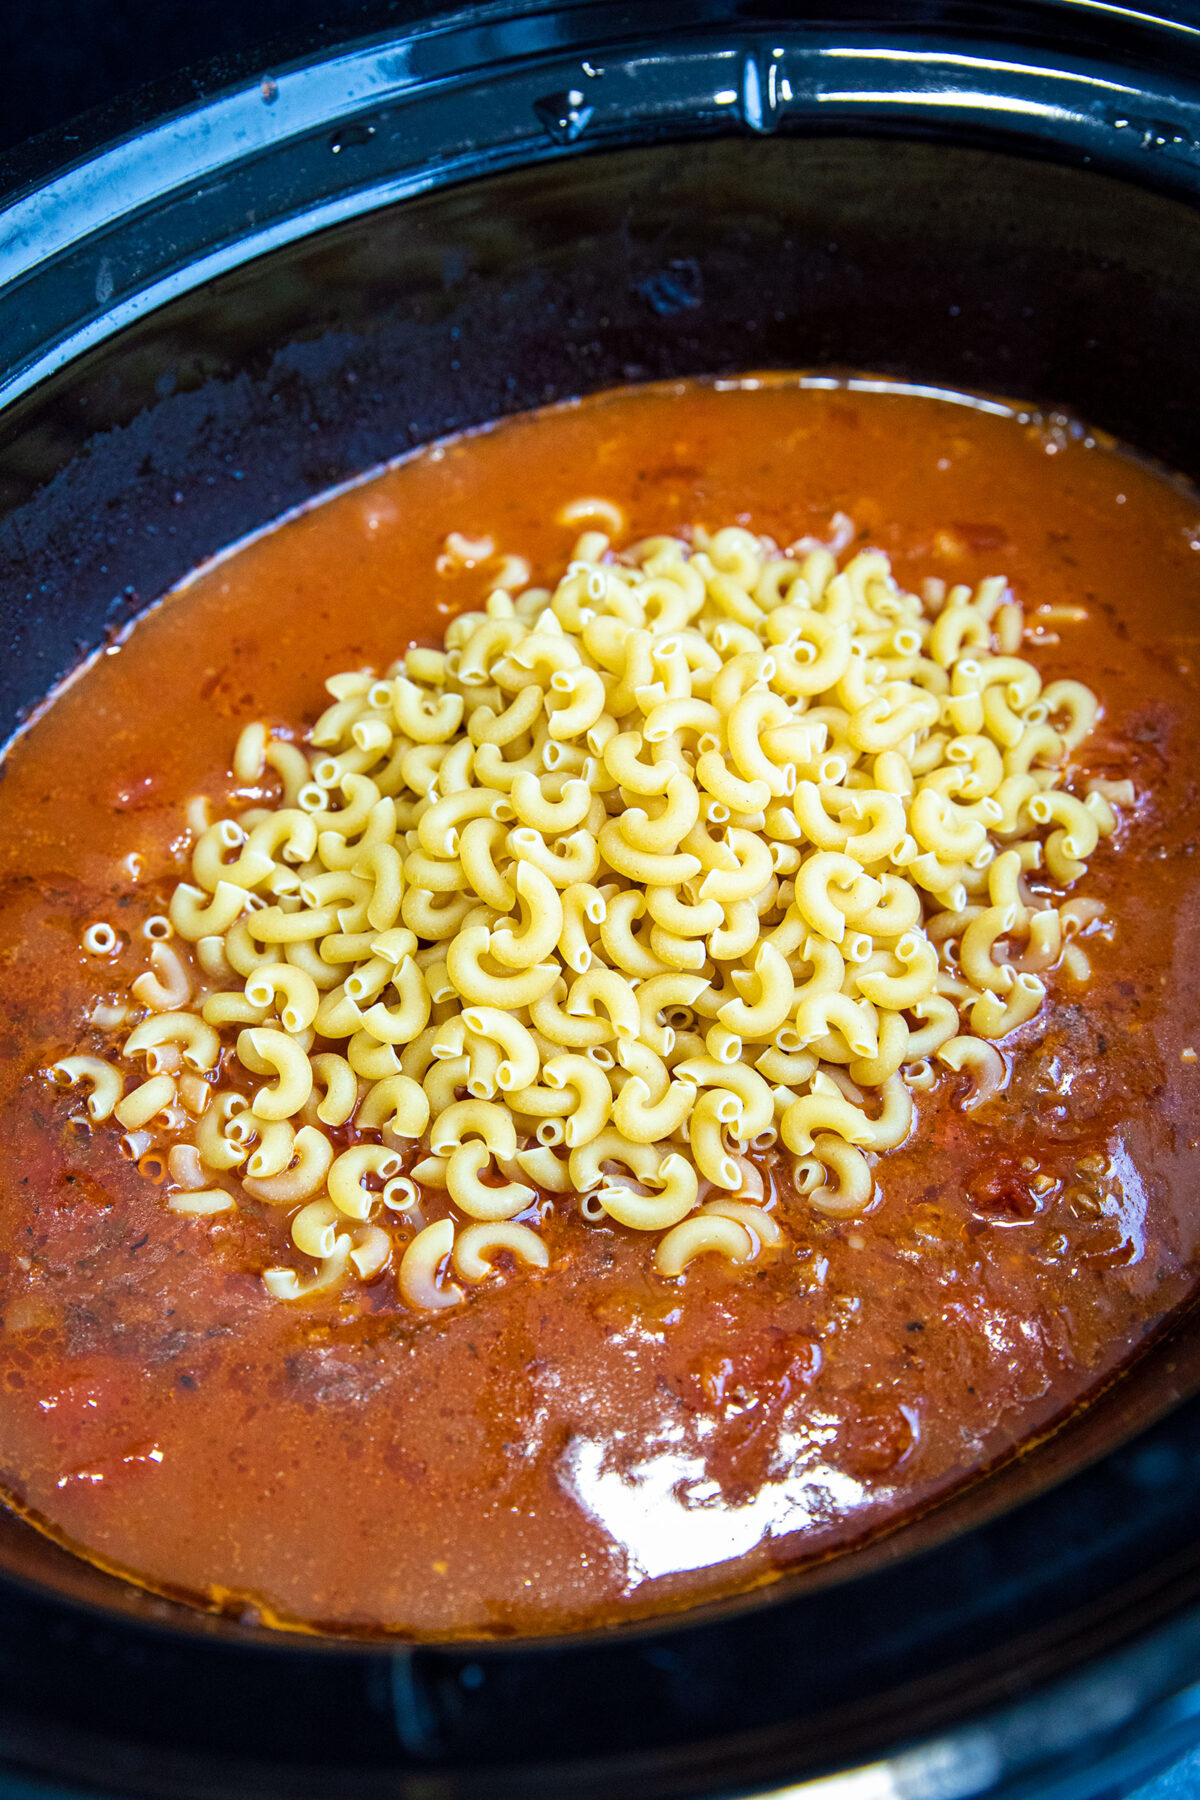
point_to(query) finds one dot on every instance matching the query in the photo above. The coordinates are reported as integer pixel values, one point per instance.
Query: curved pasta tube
(338, 1015)
(855, 1019)
(894, 1121)
(809, 805)
(744, 1084)
(1045, 943)
(273, 1153)
(686, 918)
(423, 719)
(678, 1190)
(348, 1172)
(145, 1102)
(534, 808)
(1039, 743)
(1080, 705)
(894, 1050)
(886, 824)
(815, 655)
(474, 1197)
(289, 833)
(543, 921)
(400, 1024)
(580, 697)
(676, 988)
(919, 962)
(583, 906)
(739, 934)
(370, 1251)
(397, 1104)
(625, 951)
(586, 1162)
(854, 1187)
(217, 1150)
(201, 1203)
(958, 628)
(543, 1167)
(572, 859)
(992, 1017)
(827, 965)
(312, 1155)
(650, 1106)
(479, 987)
(823, 1110)
(594, 1096)
(315, 1229)
(211, 863)
(417, 1279)
(476, 1247)
(882, 723)
(706, 1234)
(382, 866)
(622, 761)
(714, 1112)
(440, 825)
(200, 1044)
(756, 712)
(1066, 850)
(478, 844)
(978, 941)
(662, 834)
(167, 985)
(484, 1119)
(293, 988)
(265, 1051)
(986, 1065)
(898, 910)
(360, 798)
(644, 866)
(789, 1068)
(763, 1228)
(105, 1083)
(606, 988)
(285, 1284)
(776, 995)
(521, 1059)
(938, 825)
(558, 1027)
(753, 872)
(727, 789)
(831, 888)
(195, 914)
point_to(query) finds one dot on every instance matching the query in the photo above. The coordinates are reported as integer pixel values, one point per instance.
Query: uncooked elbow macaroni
(712, 848)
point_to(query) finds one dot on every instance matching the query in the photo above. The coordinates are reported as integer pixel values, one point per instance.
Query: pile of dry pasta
(712, 847)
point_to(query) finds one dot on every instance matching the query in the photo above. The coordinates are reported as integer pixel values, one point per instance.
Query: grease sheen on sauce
(570, 1450)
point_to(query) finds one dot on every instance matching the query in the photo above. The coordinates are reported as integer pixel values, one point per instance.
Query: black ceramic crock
(237, 302)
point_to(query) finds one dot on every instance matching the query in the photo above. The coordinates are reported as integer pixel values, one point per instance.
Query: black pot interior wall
(932, 262)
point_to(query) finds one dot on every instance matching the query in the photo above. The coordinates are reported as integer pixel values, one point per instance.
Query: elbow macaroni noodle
(713, 848)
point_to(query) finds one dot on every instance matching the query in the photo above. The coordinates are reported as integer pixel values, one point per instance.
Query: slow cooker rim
(867, 68)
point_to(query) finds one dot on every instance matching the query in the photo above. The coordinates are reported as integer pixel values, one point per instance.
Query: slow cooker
(238, 303)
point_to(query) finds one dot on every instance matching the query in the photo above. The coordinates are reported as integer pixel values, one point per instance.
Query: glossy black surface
(711, 242)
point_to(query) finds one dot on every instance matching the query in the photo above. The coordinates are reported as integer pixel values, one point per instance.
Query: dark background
(60, 58)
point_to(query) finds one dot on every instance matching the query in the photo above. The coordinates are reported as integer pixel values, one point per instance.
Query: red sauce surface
(597, 1442)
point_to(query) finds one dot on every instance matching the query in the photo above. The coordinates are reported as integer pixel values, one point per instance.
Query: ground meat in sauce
(598, 1442)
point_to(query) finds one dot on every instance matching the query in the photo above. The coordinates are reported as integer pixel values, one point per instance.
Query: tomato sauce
(598, 1443)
